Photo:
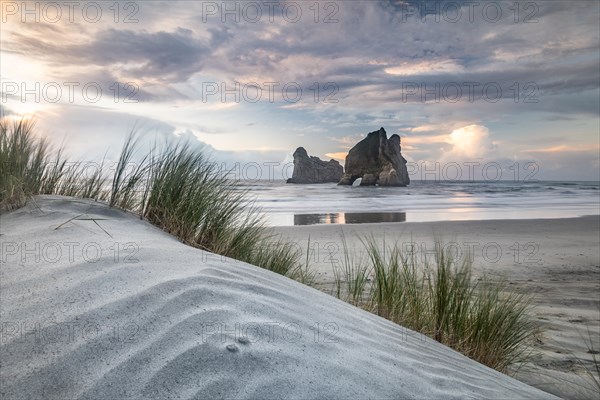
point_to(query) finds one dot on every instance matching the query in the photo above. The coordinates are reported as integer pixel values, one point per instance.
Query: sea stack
(313, 169)
(377, 160)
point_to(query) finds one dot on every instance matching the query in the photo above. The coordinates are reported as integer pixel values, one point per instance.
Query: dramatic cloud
(469, 143)
(173, 56)
(447, 76)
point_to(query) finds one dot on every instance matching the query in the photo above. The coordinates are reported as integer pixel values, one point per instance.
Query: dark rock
(313, 169)
(377, 160)
(368, 180)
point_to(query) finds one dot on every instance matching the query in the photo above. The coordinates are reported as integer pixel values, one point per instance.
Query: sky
(476, 89)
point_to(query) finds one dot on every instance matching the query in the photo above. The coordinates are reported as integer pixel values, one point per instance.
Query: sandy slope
(556, 260)
(87, 322)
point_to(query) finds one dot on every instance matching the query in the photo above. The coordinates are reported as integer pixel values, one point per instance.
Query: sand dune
(108, 306)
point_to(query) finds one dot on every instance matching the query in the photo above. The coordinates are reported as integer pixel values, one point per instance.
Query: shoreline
(556, 260)
(294, 219)
(373, 224)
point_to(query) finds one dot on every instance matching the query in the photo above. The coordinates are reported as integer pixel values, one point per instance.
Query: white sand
(556, 260)
(165, 327)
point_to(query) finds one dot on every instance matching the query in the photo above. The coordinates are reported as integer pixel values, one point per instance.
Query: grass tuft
(178, 189)
(29, 168)
(442, 300)
(22, 158)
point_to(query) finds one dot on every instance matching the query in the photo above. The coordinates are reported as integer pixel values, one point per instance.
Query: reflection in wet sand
(349, 218)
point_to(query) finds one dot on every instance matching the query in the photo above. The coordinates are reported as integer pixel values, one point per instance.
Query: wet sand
(556, 260)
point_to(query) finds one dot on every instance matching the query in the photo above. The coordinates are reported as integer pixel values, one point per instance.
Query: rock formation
(377, 160)
(313, 169)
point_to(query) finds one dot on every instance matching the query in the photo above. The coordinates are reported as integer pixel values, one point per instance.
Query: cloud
(582, 165)
(338, 156)
(425, 139)
(469, 143)
(347, 142)
(425, 68)
(566, 149)
(369, 54)
(166, 56)
(421, 128)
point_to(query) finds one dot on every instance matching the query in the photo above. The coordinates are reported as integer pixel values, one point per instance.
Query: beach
(393, 199)
(555, 260)
(96, 303)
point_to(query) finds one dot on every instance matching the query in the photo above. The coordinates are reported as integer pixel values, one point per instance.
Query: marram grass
(23, 159)
(439, 298)
(176, 188)
(30, 167)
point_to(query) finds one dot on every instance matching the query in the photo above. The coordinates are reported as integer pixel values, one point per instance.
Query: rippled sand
(96, 303)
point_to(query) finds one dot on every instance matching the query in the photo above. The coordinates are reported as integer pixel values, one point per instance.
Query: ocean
(290, 204)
